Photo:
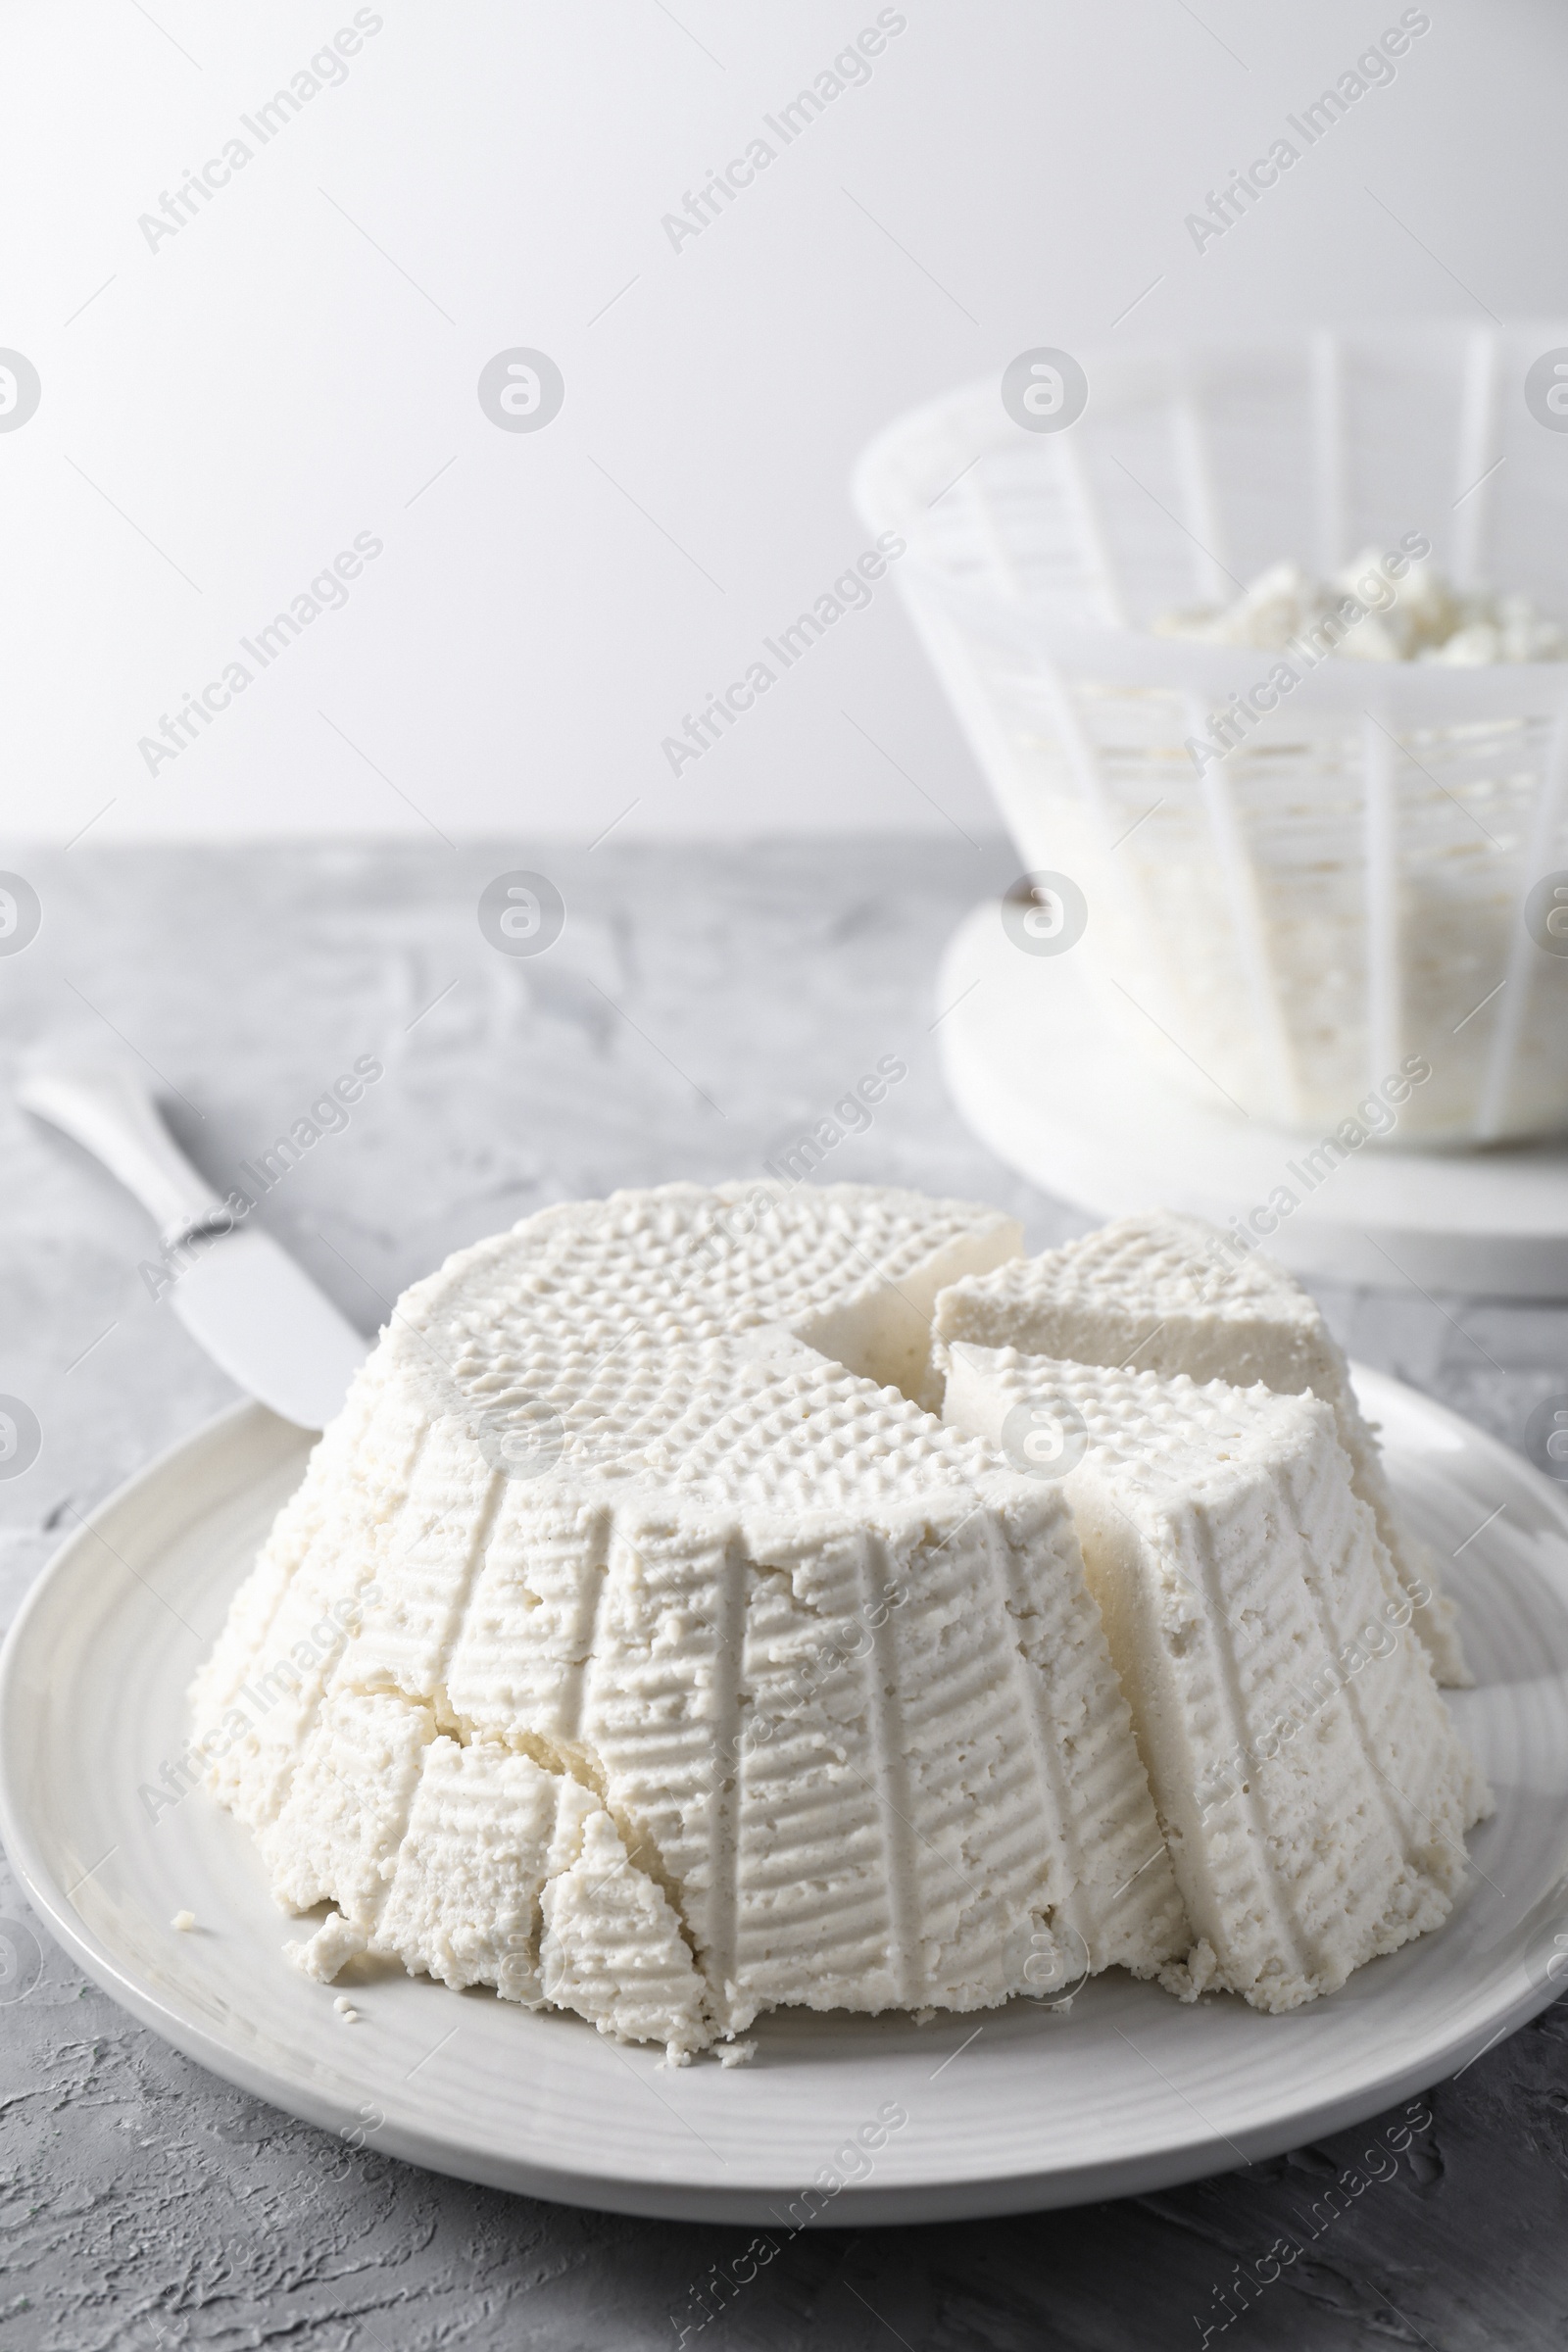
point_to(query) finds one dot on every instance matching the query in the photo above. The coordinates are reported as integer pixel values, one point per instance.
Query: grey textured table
(702, 1006)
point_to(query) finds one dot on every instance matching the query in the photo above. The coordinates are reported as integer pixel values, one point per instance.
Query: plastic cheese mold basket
(1368, 873)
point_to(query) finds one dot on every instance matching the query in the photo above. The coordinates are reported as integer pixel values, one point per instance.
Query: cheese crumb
(736, 2053)
(325, 1952)
(184, 1920)
(1188, 1979)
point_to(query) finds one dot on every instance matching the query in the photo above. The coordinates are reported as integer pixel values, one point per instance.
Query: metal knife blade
(263, 1320)
(240, 1296)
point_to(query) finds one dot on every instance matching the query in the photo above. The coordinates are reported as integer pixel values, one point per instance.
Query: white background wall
(222, 414)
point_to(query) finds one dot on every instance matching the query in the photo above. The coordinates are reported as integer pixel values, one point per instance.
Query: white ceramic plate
(1124, 2092)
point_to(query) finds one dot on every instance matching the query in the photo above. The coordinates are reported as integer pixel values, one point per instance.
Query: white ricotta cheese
(637, 1644)
(1311, 1789)
(1419, 618)
(1166, 1293)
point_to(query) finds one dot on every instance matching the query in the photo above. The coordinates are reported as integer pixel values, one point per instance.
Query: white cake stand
(1040, 1075)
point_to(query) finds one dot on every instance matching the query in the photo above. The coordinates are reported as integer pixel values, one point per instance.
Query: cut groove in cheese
(682, 1671)
(1312, 1791)
(1166, 1294)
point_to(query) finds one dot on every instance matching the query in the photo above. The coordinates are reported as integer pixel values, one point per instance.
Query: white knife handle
(112, 1115)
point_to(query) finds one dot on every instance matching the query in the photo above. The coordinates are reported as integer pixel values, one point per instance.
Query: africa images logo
(20, 390)
(522, 389)
(1545, 390)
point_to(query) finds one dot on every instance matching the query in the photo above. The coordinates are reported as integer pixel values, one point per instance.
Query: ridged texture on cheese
(761, 1686)
(1167, 1293)
(1313, 1791)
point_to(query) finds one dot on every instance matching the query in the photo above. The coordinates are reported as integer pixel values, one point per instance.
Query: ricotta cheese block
(1166, 1293)
(1313, 1791)
(640, 1644)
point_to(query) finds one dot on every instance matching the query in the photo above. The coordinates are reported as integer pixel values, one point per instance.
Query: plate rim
(969, 2196)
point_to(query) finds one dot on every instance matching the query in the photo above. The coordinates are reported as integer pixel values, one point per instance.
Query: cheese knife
(237, 1292)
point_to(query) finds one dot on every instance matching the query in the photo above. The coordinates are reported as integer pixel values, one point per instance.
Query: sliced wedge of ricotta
(1313, 1791)
(1166, 1293)
(638, 1645)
